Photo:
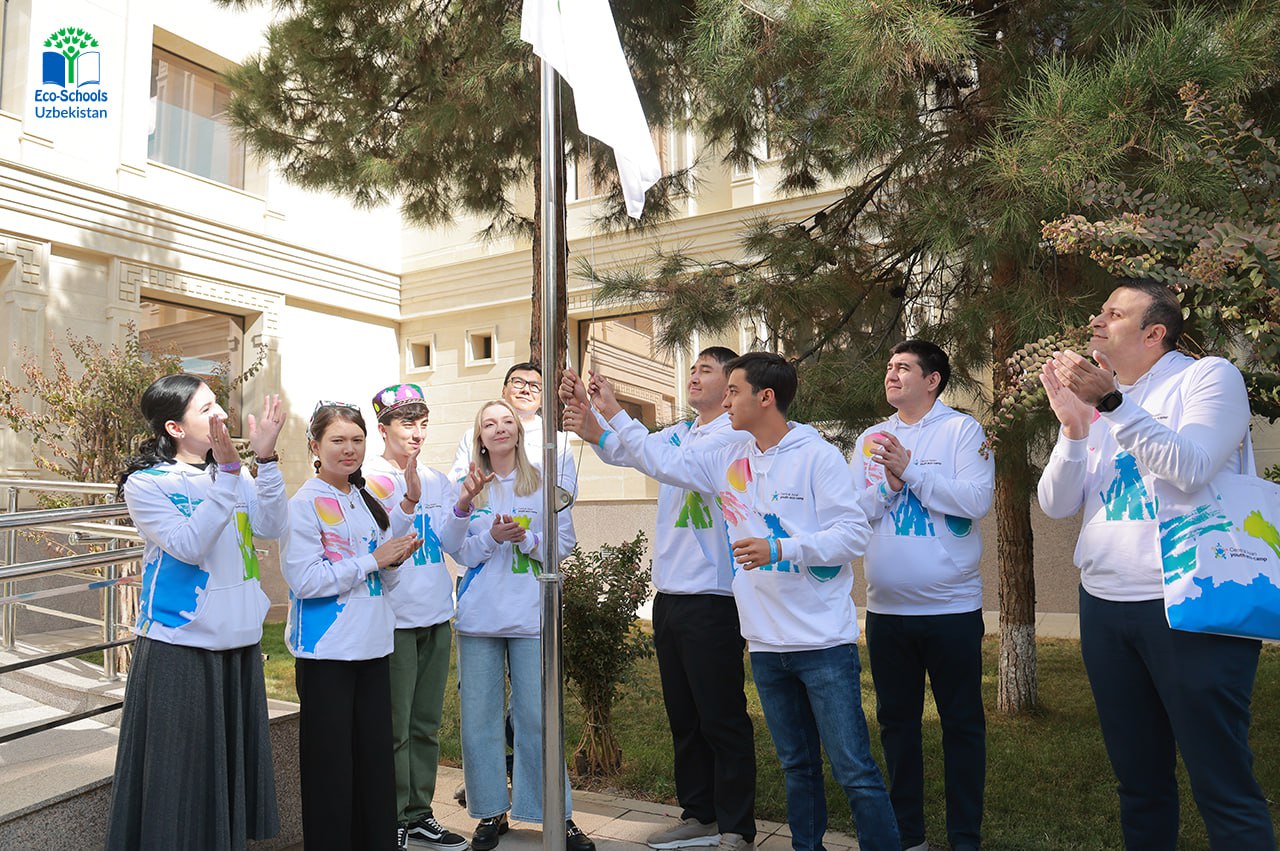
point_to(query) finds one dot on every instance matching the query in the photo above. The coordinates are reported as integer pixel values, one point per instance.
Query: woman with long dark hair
(193, 765)
(342, 549)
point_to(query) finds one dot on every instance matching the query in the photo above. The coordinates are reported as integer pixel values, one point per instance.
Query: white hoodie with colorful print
(797, 493)
(498, 595)
(338, 606)
(423, 596)
(925, 543)
(200, 583)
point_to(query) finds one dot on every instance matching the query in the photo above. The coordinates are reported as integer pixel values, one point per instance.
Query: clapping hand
(264, 431)
(505, 529)
(412, 480)
(224, 451)
(471, 487)
(392, 552)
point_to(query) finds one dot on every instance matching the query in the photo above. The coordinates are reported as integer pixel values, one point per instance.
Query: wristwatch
(1109, 402)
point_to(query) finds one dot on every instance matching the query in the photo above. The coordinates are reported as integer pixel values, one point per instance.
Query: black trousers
(1159, 690)
(902, 650)
(345, 754)
(699, 645)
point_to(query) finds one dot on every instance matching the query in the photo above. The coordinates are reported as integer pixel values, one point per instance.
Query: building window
(644, 378)
(211, 345)
(479, 347)
(420, 354)
(190, 127)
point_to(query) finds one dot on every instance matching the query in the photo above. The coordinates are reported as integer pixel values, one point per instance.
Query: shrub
(603, 590)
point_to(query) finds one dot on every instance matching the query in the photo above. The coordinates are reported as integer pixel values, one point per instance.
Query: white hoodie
(690, 551)
(199, 568)
(498, 595)
(337, 608)
(423, 596)
(798, 493)
(1180, 425)
(926, 545)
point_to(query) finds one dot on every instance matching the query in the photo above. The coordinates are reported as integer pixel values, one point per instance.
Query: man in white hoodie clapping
(794, 524)
(924, 482)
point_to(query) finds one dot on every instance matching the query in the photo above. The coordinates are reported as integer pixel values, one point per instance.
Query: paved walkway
(616, 824)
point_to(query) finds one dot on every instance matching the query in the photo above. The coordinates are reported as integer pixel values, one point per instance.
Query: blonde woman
(498, 631)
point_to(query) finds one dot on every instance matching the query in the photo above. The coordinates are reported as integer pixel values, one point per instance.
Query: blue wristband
(604, 435)
(775, 551)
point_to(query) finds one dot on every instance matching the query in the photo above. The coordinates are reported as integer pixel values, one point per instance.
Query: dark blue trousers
(902, 650)
(1159, 690)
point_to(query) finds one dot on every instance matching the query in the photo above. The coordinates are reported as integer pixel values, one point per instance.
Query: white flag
(579, 39)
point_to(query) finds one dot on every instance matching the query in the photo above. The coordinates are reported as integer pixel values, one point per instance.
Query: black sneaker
(402, 838)
(429, 833)
(575, 839)
(488, 831)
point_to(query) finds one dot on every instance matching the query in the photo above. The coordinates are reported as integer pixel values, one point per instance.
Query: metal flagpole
(553, 784)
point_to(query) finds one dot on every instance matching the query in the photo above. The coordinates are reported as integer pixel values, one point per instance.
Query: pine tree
(957, 128)
(435, 105)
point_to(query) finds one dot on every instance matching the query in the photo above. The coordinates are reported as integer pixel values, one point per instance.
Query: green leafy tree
(603, 590)
(1220, 254)
(71, 42)
(436, 105)
(955, 130)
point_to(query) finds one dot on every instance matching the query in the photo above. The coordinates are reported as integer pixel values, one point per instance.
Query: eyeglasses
(521, 384)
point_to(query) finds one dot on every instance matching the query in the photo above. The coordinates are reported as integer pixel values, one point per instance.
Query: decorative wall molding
(30, 256)
(135, 276)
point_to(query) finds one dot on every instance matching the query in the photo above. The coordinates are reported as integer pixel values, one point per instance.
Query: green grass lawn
(1048, 782)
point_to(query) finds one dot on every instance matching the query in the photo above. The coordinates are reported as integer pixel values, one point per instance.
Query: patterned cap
(396, 396)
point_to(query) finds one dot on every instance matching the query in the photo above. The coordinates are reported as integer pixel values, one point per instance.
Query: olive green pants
(419, 668)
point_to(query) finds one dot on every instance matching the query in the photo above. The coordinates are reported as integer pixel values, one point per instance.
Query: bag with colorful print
(1221, 554)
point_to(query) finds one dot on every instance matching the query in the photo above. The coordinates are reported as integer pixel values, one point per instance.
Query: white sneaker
(923, 846)
(735, 842)
(688, 833)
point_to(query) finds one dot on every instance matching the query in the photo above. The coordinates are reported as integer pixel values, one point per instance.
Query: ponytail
(375, 507)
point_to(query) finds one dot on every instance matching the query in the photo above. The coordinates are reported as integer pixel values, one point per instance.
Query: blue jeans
(812, 700)
(482, 666)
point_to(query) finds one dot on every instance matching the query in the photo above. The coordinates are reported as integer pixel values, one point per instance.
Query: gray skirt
(193, 767)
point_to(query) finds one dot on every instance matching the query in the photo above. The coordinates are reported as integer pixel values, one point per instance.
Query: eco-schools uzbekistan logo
(67, 68)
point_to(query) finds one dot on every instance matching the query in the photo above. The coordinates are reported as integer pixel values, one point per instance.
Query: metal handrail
(56, 486)
(78, 520)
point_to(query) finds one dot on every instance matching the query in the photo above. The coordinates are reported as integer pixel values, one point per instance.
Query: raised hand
(601, 393)
(1074, 414)
(224, 451)
(412, 481)
(395, 550)
(571, 387)
(506, 529)
(579, 419)
(471, 486)
(264, 431)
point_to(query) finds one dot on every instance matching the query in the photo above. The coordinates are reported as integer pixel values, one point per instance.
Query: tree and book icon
(71, 63)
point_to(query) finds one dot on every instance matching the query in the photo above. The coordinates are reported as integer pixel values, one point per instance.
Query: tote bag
(1221, 556)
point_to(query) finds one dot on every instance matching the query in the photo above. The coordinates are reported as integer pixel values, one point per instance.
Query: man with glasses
(522, 389)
